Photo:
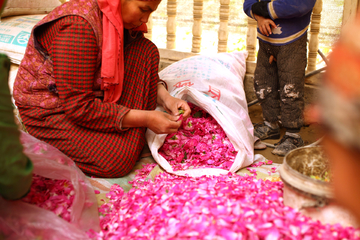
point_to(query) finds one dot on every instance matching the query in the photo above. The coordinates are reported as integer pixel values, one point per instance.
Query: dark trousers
(279, 86)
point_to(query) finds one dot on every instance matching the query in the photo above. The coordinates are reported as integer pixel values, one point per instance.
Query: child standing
(280, 69)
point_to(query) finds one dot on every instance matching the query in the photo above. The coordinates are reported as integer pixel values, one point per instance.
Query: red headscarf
(112, 67)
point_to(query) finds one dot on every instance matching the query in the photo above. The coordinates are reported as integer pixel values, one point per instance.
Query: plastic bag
(214, 83)
(20, 220)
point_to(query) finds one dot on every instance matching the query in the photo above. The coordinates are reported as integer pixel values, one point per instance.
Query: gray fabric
(279, 86)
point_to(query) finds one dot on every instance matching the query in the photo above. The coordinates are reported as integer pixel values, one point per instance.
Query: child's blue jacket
(292, 18)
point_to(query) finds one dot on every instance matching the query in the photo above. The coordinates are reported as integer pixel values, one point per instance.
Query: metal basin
(313, 198)
(301, 163)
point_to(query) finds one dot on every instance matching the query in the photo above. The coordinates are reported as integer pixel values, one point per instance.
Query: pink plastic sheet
(20, 220)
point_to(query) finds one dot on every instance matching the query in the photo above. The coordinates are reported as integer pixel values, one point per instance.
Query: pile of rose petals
(51, 194)
(208, 207)
(218, 207)
(199, 142)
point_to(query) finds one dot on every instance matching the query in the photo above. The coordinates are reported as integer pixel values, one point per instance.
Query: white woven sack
(29, 7)
(214, 83)
(219, 75)
(236, 129)
(15, 33)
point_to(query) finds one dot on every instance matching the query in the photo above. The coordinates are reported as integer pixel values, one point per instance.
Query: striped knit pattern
(87, 130)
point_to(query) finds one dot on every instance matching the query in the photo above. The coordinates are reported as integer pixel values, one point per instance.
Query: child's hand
(265, 24)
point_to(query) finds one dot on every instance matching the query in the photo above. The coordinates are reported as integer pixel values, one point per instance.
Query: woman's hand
(171, 104)
(265, 24)
(158, 122)
(161, 122)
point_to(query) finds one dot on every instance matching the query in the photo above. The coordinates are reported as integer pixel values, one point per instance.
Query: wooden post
(251, 44)
(197, 30)
(314, 36)
(171, 24)
(223, 28)
(149, 25)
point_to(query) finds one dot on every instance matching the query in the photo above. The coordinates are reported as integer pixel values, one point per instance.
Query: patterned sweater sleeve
(72, 46)
(280, 9)
(247, 7)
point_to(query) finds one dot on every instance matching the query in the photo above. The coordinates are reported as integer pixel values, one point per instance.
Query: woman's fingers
(164, 123)
(185, 107)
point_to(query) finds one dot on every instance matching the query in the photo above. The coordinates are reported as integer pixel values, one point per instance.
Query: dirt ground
(308, 133)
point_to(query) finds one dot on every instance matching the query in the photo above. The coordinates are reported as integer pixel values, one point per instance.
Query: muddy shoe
(287, 143)
(263, 131)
